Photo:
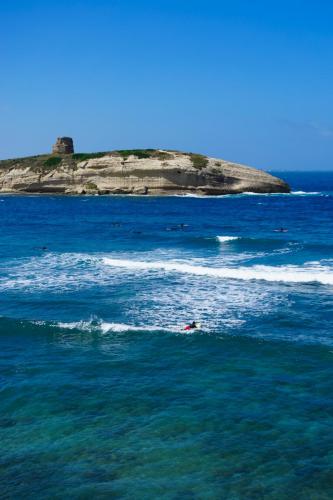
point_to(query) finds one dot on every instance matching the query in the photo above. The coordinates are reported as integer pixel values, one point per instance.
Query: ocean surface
(104, 395)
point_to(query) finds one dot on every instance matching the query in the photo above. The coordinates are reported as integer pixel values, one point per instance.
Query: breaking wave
(310, 273)
(94, 325)
(224, 239)
(304, 193)
(292, 193)
(105, 327)
(249, 193)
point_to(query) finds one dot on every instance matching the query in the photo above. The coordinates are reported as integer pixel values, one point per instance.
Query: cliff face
(152, 172)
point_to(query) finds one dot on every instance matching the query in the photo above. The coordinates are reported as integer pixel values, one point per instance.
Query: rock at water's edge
(151, 172)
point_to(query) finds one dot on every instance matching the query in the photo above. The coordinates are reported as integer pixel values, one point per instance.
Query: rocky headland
(140, 171)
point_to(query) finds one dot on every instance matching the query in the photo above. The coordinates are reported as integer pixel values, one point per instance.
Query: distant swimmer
(192, 326)
(40, 248)
(281, 230)
(178, 227)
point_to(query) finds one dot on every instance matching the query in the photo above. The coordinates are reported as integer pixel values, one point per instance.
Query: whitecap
(287, 273)
(304, 193)
(106, 327)
(224, 239)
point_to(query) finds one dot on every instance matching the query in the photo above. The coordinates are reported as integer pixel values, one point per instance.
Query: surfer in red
(191, 326)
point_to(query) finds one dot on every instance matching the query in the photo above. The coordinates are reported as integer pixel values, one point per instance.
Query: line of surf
(225, 239)
(106, 327)
(292, 193)
(288, 273)
(89, 326)
(248, 193)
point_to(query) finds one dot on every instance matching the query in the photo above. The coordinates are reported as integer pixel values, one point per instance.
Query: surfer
(281, 230)
(191, 326)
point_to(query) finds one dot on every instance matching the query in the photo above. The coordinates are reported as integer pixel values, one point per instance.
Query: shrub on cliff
(162, 155)
(91, 186)
(139, 153)
(52, 162)
(87, 156)
(199, 161)
(125, 153)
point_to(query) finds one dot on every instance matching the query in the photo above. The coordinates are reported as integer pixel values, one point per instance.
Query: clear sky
(245, 80)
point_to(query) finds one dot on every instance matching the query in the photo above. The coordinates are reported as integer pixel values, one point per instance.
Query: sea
(103, 394)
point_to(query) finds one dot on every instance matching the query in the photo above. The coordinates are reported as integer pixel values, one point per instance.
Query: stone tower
(63, 146)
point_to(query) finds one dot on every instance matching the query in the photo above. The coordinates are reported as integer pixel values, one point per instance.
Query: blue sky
(248, 81)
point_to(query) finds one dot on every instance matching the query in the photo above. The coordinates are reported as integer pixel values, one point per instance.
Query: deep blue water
(103, 394)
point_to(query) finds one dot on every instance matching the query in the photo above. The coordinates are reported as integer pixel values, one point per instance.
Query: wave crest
(224, 239)
(289, 273)
(105, 327)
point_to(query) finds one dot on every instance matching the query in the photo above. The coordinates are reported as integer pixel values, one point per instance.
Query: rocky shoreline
(146, 172)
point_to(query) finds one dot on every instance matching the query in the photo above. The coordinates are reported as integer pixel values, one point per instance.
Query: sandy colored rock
(161, 174)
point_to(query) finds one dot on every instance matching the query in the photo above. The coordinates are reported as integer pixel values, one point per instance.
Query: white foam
(123, 327)
(105, 327)
(288, 273)
(292, 193)
(53, 272)
(251, 193)
(224, 239)
(302, 193)
(247, 193)
(75, 325)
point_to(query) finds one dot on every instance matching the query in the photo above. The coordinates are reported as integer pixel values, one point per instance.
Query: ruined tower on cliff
(63, 146)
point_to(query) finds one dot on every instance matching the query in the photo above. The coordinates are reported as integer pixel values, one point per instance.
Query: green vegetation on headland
(40, 163)
(144, 153)
(124, 153)
(132, 171)
(53, 161)
(199, 161)
(49, 162)
(139, 153)
(87, 156)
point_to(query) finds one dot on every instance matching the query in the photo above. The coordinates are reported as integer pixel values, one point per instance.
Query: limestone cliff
(152, 172)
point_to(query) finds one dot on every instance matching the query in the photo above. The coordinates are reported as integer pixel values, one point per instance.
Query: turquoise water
(103, 394)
